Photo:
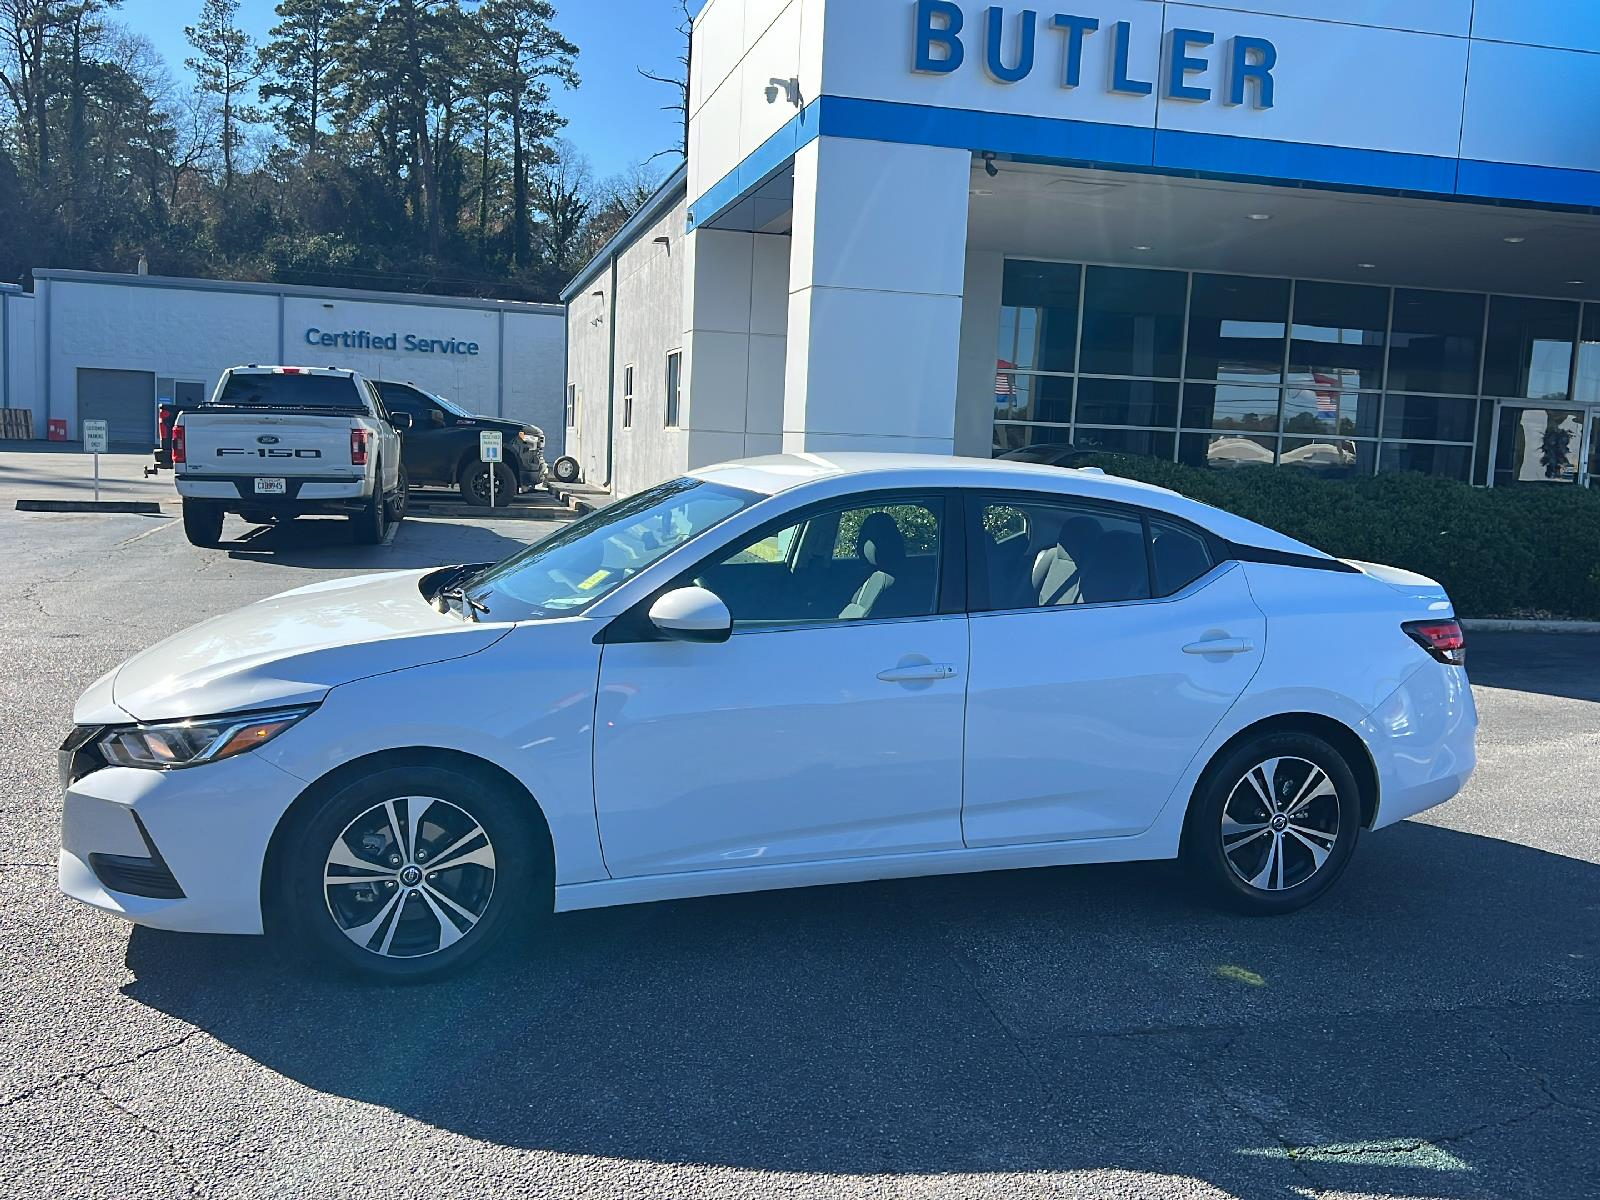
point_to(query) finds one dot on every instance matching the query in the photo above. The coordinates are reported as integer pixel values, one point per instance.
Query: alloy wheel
(409, 877)
(1280, 823)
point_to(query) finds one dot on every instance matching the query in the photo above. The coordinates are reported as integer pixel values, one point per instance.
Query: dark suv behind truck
(441, 447)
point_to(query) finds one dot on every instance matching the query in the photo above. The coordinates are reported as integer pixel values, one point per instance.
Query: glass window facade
(1229, 371)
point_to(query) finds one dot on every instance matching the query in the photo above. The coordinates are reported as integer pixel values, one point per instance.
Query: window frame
(1221, 552)
(627, 396)
(951, 564)
(572, 406)
(672, 409)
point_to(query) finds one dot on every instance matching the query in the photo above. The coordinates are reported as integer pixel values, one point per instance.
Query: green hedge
(1527, 551)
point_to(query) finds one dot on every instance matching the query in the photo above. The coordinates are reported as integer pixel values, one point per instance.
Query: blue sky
(614, 116)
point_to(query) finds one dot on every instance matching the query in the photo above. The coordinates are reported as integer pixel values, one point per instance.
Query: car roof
(262, 369)
(777, 473)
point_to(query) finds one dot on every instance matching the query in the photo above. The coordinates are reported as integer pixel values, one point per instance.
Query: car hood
(288, 649)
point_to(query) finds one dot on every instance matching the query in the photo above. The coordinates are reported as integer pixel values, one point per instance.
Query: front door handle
(918, 673)
(1219, 646)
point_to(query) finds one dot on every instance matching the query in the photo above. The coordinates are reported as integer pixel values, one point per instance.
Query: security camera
(789, 88)
(772, 93)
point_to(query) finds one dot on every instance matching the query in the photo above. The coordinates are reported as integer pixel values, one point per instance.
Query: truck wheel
(401, 499)
(202, 523)
(368, 525)
(475, 484)
(566, 469)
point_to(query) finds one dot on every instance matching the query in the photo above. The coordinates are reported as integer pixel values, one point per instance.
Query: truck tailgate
(230, 442)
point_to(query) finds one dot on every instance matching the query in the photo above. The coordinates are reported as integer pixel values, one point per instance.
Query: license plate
(271, 487)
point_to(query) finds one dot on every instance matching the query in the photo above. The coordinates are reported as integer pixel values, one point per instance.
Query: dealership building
(89, 345)
(1346, 237)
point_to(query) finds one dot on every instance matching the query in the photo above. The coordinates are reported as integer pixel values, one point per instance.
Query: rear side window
(291, 391)
(1045, 554)
(1180, 557)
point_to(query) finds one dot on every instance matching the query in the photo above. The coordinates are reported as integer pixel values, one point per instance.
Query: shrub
(1530, 550)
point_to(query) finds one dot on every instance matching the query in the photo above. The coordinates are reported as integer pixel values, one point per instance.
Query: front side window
(861, 562)
(570, 570)
(1046, 554)
(402, 399)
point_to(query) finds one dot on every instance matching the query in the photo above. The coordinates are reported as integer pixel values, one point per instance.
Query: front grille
(146, 877)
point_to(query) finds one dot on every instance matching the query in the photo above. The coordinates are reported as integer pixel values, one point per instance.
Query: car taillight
(180, 449)
(164, 419)
(360, 439)
(1442, 639)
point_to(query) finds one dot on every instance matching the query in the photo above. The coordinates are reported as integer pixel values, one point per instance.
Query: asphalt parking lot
(1431, 1029)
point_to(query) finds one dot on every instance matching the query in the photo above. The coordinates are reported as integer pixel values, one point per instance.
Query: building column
(875, 295)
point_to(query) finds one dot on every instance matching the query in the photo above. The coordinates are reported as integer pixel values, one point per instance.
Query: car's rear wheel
(401, 499)
(475, 484)
(202, 523)
(1273, 823)
(368, 524)
(413, 872)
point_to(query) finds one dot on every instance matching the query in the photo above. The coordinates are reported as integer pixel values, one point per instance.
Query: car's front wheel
(1273, 823)
(413, 872)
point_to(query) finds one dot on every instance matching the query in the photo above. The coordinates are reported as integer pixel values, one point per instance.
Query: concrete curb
(1495, 625)
(580, 504)
(141, 507)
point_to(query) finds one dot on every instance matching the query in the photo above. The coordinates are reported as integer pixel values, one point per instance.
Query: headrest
(880, 542)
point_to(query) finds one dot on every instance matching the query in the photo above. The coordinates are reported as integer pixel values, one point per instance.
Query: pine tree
(225, 67)
(298, 61)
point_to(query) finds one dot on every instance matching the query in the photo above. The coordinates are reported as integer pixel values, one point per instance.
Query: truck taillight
(180, 448)
(1442, 639)
(360, 439)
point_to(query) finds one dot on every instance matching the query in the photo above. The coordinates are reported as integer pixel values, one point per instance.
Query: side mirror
(692, 614)
(399, 420)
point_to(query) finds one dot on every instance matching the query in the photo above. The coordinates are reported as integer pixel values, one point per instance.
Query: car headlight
(532, 439)
(199, 740)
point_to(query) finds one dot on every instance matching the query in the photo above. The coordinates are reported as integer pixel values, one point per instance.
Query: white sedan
(767, 674)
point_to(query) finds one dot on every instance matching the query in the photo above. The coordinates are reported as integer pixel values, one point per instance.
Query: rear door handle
(1219, 646)
(918, 673)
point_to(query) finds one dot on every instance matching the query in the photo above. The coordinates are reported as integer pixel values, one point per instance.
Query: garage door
(125, 400)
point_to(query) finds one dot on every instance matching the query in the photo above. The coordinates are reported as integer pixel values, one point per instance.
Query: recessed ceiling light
(1368, 266)
(1141, 247)
(980, 192)
(1574, 283)
(1514, 241)
(1261, 216)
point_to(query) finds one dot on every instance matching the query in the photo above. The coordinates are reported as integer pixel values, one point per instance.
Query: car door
(390, 448)
(828, 726)
(1106, 647)
(426, 442)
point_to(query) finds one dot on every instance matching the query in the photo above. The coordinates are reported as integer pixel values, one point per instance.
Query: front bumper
(205, 828)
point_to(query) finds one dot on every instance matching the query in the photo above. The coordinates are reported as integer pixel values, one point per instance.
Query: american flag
(1327, 390)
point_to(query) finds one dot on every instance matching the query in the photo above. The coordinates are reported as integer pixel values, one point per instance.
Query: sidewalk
(62, 471)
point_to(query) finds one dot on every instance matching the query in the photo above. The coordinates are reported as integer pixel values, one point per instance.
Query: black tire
(475, 484)
(404, 938)
(368, 526)
(202, 523)
(1277, 855)
(566, 469)
(400, 500)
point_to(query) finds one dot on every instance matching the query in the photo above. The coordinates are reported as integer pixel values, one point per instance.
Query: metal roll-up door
(125, 400)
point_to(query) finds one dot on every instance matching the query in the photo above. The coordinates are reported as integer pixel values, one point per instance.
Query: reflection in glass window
(1039, 316)
(1017, 437)
(1452, 462)
(1338, 334)
(1331, 457)
(1429, 418)
(1127, 402)
(1226, 450)
(1529, 352)
(1133, 322)
(1315, 405)
(1230, 406)
(1152, 443)
(1032, 397)
(1586, 388)
(1435, 344)
(1236, 328)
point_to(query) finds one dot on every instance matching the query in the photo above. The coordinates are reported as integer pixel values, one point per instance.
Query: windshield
(574, 567)
(290, 391)
(450, 406)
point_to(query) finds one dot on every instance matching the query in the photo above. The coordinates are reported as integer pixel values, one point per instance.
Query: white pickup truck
(273, 443)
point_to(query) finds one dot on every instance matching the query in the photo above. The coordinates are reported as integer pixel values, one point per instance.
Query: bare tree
(678, 81)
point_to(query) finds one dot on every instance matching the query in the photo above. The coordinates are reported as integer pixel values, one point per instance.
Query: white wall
(19, 356)
(196, 333)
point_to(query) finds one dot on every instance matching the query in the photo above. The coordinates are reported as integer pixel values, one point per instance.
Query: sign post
(94, 442)
(489, 444)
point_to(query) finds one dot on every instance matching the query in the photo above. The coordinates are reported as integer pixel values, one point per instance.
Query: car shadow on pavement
(1046, 1020)
(325, 542)
(1546, 664)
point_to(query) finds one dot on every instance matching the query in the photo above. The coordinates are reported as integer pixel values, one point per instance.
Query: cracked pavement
(1431, 1029)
